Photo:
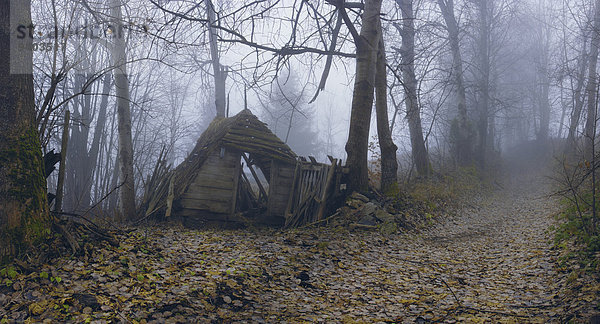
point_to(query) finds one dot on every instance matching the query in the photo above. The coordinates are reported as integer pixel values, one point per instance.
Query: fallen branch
(362, 226)
(319, 221)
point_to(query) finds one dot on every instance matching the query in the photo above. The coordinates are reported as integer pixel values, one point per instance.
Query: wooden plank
(208, 205)
(328, 184)
(209, 194)
(208, 177)
(280, 190)
(260, 186)
(236, 185)
(287, 170)
(170, 197)
(311, 167)
(202, 215)
(217, 169)
(272, 187)
(216, 184)
(281, 195)
(262, 149)
(230, 156)
(290, 203)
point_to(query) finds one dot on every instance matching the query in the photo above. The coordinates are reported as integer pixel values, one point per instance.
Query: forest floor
(492, 262)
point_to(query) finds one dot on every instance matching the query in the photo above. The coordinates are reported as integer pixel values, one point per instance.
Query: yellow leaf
(38, 308)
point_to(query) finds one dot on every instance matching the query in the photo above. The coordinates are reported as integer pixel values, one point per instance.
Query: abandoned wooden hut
(210, 184)
(277, 188)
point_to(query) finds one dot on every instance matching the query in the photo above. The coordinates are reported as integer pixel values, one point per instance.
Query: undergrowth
(573, 227)
(450, 187)
(425, 199)
(577, 231)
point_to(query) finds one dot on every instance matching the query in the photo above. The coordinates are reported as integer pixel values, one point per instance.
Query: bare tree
(389, 162)
(119, 57)
(464, 154)
(542, 45)
(592, 84)
(219, 71)
(362, 99)
(578, 96)
(413, 110)
(484, 82)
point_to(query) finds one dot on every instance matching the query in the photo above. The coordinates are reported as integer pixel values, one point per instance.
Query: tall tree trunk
(389, 163)
(464, 154)
(93, 156)
(563, 105)
(578, 98)
(119, 56)
(77, 164)
(362, 98)
(413, 111)
(591, 89)
(220, 74)
(544, 105)
(24, 218)
(484, 82)
(544, 51)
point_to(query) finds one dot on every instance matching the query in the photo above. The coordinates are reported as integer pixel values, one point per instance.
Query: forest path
(492, 262)
(495, 257)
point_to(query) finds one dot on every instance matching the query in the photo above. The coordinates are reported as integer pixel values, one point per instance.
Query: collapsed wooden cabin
(278, 187)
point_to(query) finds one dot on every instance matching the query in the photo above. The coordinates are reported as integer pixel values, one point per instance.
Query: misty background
(273, 53)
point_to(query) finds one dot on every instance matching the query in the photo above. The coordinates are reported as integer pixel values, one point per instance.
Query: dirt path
(491, 263)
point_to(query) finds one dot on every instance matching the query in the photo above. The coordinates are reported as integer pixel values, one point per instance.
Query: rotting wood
(325, 195)
(170, 197)
(290, 203)
(236, 179)
(259, 149)
(214, 194)
(263, 192)
(206, 205)
(314, 186)
(247, 189)
(207, 183)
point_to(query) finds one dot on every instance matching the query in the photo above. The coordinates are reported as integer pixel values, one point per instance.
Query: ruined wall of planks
(298, 193)
(282, 179)
(213, 192)
(313, 187)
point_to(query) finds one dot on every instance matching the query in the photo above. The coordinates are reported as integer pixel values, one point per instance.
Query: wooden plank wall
(282, 179)
(215, 187)
(314, 183)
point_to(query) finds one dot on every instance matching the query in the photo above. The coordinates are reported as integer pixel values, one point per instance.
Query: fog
(521, 71)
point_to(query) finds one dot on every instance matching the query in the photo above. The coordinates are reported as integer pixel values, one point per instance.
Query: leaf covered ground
(493, 262)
